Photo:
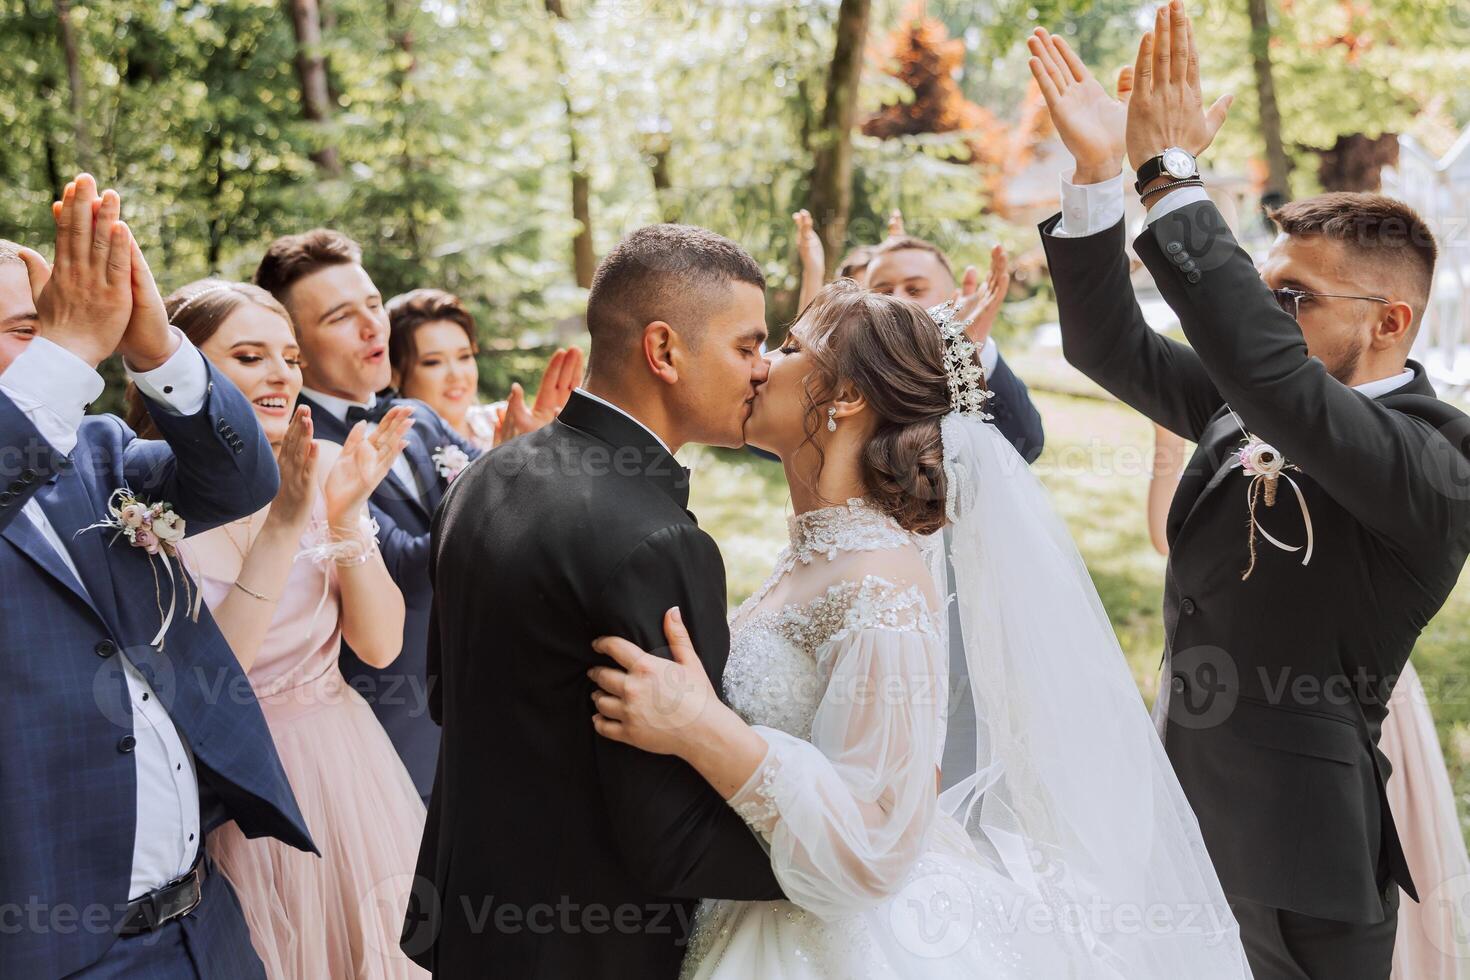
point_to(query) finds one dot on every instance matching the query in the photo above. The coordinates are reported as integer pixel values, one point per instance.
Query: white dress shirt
(53, 388)
(339, 406)
(1091, 208)
(627, 415)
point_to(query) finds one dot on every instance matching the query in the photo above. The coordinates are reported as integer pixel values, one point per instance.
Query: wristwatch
(1175, 162)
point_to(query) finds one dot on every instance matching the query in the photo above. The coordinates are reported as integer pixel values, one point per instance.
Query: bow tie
(356, 413)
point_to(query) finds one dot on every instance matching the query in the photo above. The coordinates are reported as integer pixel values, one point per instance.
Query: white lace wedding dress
(840, 663)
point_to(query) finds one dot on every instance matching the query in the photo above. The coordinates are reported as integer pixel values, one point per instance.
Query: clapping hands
(980, 304)
(100, 296)
(562, 375)
(809, 247)
(1158, 103)
(1091, 123)
(1167, 107)
(365, 460)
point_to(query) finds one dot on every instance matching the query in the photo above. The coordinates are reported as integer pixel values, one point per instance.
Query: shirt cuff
(1089, 208)
(989, 356)
(1174, 200)
(53, 387)
(180, 384)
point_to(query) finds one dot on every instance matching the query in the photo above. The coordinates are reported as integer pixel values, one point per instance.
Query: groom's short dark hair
(662, 272)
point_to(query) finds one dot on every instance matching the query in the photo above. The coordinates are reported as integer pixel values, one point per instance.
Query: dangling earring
(832, 419)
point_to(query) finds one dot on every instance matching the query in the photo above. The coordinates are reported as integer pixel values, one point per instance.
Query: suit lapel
(68, 505)
(27, 538)
(1199, 481)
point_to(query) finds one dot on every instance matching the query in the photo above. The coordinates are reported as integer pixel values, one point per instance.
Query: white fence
(1440, 191)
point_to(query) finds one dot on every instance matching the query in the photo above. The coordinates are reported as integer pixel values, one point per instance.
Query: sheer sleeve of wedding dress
(845, 806)
(1070, 851)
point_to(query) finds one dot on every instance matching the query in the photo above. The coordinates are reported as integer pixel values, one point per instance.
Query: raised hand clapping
(1167, 107)
(85, 300)
(562, 375)
(1093, 125)
(980, 305)
(365, 460)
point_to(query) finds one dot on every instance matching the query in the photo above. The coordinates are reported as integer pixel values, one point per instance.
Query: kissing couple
(633, 786)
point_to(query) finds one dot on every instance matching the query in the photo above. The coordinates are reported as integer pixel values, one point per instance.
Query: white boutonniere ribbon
(450, 461)
(1265, 467)
(156, 529)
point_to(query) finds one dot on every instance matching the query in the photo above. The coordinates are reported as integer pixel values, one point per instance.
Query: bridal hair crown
(967, 391)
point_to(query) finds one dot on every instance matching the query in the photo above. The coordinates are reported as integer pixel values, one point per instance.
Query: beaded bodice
(823, 587)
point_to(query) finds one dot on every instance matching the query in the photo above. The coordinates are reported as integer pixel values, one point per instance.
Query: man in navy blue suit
(342, 327)
(126, 744)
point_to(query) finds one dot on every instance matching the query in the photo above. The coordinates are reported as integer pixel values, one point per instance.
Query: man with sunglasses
(1320, 525)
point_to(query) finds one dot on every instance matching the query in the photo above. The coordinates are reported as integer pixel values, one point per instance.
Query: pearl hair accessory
(206, 291)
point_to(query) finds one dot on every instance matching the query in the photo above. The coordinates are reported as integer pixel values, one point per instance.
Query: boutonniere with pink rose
(1266, 467)
(450, 461)
(156, 529)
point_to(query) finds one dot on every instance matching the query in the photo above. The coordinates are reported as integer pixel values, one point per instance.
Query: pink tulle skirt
(337, 917)
(1433, 934)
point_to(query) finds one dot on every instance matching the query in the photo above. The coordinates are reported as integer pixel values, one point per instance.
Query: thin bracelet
(1165, 188)
(253, 595)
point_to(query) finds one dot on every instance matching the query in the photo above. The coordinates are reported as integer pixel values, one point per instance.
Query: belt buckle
(195, 881)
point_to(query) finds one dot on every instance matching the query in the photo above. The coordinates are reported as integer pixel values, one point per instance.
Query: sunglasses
(1291, 299)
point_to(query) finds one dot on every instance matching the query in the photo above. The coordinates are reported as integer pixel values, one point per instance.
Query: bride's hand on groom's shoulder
(652, 703)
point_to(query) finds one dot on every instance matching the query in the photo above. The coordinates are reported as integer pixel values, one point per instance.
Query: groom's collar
(652, 460)
(623, 411)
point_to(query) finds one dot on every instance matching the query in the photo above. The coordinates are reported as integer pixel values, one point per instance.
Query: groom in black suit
(1288, 613)
(550, 852)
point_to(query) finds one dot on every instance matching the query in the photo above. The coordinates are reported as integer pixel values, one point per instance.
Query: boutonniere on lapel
(156, 529)
(450, 461)
(1266, 467)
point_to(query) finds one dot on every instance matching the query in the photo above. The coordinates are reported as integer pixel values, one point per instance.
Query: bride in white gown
(1070, 852)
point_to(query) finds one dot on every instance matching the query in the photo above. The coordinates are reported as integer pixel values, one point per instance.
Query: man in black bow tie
(342, 328)
(1319, 527)
(550, 852)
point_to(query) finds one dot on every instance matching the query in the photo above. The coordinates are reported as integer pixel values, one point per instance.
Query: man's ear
(660, 349)
(1395, 327)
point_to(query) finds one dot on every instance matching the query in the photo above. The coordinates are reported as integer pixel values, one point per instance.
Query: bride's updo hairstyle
(892, 353)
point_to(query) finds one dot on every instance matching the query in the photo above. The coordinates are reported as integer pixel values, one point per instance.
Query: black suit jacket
(1278, 684)
(1014, 414)
(551, 852)
(399, 692)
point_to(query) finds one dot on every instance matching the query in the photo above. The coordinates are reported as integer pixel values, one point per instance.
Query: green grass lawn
(1096, 465)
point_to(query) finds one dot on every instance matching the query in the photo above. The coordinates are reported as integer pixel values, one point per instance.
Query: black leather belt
(166, 903)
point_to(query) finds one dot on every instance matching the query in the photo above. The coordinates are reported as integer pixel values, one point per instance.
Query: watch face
(1179, 163)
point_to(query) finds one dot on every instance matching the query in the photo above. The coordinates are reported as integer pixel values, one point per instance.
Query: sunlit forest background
(498, 148)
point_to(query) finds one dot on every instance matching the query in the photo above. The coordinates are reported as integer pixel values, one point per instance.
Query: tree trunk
(400, 36)
(831, 191)
(74, 83)
(584, 260)
(311, 72)
(1278, 165)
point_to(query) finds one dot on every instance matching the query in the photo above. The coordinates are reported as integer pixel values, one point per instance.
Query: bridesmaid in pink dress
(285, 585)
(1433, 937)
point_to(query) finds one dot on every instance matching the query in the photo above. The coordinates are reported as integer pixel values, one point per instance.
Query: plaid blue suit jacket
(68, 784)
